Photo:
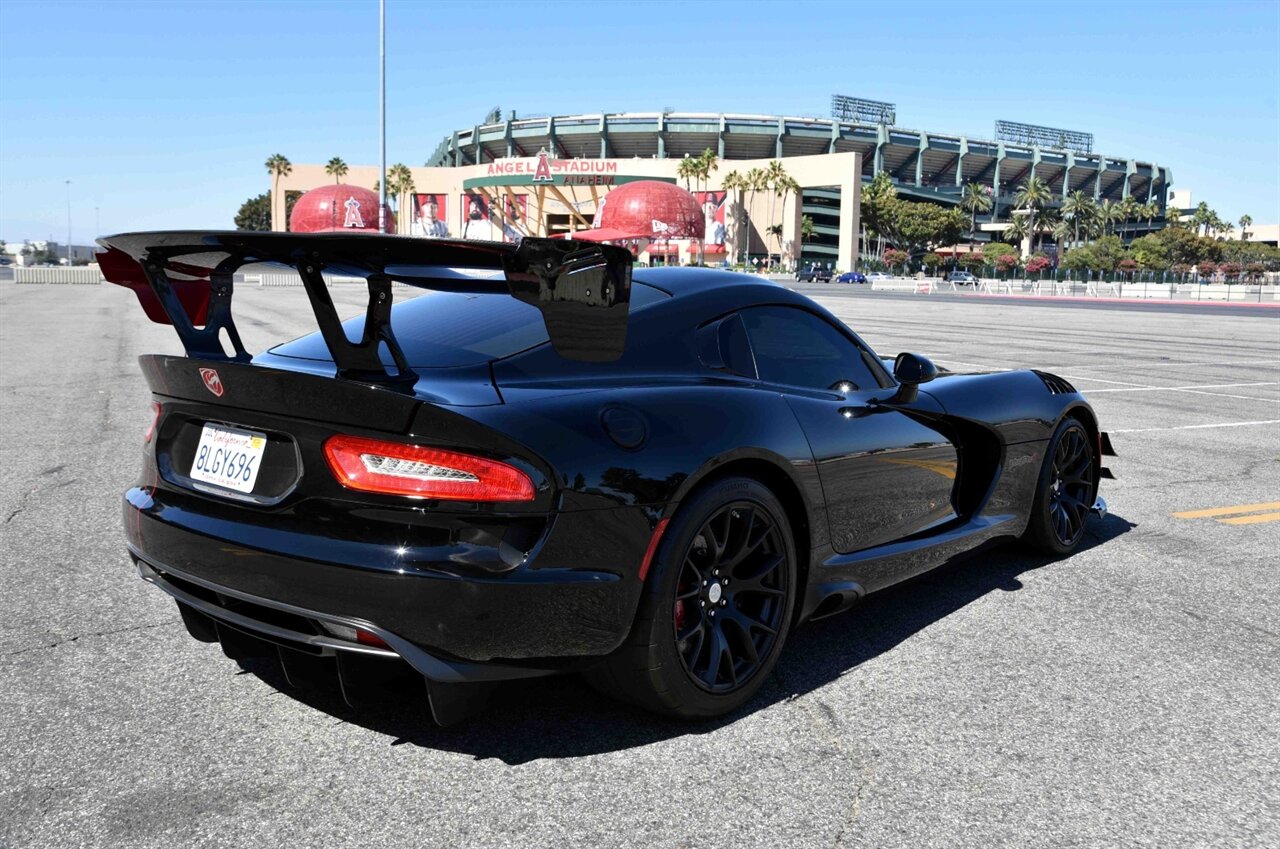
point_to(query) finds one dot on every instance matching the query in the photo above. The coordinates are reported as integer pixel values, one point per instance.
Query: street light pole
(382, 114)
(68, 222)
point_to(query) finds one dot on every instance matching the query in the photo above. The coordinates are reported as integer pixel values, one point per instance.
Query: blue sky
(162, 113)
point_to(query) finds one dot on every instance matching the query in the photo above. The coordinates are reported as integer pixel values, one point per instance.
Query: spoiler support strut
(200, 342)
(358, 360)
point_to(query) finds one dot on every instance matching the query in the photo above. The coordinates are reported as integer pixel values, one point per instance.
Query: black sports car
(551, 465)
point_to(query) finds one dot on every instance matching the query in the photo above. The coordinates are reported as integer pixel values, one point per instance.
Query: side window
(798, 348)
(735, 348)
(723, 345)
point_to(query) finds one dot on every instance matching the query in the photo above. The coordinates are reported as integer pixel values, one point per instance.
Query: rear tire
(716, 606)
(1065, 491)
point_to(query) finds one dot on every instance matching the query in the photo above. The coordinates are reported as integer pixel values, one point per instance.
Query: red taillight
(394, 468)
(370, 639)
(155, 419)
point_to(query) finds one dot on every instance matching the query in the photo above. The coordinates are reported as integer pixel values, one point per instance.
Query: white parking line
(1138, 387)
(1229, 395)
(1135, 364)
(1195, 427)
(986, 366)
(1088, 379)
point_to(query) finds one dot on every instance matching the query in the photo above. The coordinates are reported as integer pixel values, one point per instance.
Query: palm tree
(1061, 230)
(1031, 196)
(1108, 213)
(686, 171)
(708, 162)
(700, 168)
(757, 180)
(775, 177)
(1245, 221)
(336, 168)
(399, 185)
(877, 196)
(277, 166)
(789, 187)
(1079, 209)
(1117, 215)
(1153, 210)
(977, 198)
(807, 229)
(733, 184)
(1018, 229)
(1131, 209)
(1201, 217)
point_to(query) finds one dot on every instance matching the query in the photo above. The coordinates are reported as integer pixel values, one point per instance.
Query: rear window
(441, 329)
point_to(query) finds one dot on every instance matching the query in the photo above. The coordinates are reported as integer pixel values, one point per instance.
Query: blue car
(852, 277)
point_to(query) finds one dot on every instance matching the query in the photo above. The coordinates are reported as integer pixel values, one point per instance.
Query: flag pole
(382, 114)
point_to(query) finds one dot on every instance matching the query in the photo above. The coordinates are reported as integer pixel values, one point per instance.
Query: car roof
(680, 282)
(700, 294)
(660, 336)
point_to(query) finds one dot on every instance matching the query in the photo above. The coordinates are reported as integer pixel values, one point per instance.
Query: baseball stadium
(550, 175)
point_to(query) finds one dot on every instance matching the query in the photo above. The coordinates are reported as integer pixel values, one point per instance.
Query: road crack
(826, 723)
(90, 635)
(854, 811)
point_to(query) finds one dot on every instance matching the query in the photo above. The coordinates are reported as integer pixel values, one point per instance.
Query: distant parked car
(852, 277)
(814, 274)
(964, 278)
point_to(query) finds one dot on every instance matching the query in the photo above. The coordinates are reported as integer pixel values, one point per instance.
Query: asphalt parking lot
(1126, 696)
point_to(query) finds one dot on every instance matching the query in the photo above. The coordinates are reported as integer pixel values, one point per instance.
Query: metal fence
(274, 279)
(1048, 288)
(80, 274)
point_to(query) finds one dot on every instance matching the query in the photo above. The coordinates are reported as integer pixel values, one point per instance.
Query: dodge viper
(552, 462)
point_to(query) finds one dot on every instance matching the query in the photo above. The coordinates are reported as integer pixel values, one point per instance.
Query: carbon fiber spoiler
(185, 278)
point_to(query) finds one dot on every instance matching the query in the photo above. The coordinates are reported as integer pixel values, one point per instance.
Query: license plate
(228, 457)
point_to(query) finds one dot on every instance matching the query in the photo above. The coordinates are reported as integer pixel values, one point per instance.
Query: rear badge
(211, 381)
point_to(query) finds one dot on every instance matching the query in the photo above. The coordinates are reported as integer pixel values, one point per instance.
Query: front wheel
(1064, 492)
(716, 607)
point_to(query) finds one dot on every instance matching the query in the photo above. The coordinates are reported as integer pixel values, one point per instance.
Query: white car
(879, 275)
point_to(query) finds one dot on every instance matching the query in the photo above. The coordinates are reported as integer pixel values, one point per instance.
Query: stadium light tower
(382, 114)
(68, 222)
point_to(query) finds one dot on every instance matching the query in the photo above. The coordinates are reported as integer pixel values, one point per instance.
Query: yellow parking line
(1227, 511)
(1250, 520)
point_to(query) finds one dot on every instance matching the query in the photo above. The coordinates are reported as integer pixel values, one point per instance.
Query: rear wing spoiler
(187, 279)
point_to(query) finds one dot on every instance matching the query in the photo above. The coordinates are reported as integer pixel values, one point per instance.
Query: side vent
(1055, 384)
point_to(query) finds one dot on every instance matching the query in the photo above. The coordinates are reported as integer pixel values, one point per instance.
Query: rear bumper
(579, 603)
(207, 608)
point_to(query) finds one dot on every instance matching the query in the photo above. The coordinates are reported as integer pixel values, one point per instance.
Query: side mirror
(910, 370)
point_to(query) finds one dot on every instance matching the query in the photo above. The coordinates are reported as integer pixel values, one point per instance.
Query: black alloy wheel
(1071, 485)
(1065, 491)
(730, 597)
(716, 607)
